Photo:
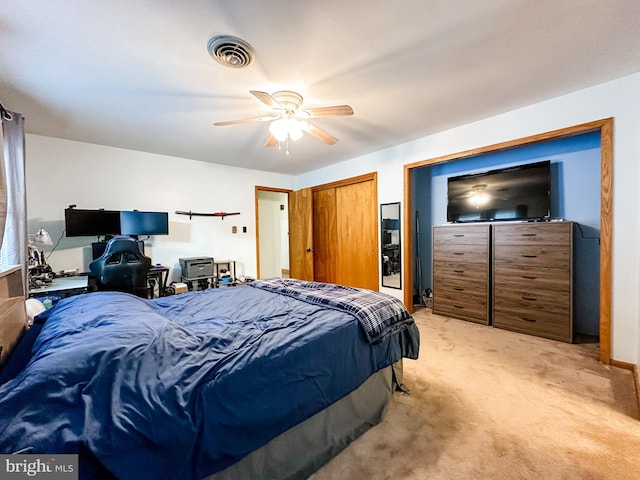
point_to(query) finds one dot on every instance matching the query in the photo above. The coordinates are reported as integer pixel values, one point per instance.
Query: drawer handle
(458, 253)
(458, 234)
(531, 299)
(458, 271)
(528, 277)
(529, 234)
(531, 320)
(458, 306)
(529, 256)
(458, 289)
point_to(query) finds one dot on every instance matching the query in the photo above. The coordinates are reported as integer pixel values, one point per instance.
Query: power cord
(57, 243)
(587, 237)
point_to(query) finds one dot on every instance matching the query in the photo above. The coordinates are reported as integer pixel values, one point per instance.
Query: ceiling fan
(289, 120)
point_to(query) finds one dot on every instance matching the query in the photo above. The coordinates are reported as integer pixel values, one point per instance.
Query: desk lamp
(42, 237)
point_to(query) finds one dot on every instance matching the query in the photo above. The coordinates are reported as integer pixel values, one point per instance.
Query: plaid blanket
(379, 314)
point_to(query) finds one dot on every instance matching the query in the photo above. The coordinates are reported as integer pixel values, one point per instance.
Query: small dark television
(91, 223)
(134, 223)
(522, 192)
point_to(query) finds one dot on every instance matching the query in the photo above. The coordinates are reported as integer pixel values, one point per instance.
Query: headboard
(13, 315)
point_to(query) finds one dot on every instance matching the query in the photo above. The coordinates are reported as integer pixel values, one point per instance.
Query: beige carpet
(487, 403)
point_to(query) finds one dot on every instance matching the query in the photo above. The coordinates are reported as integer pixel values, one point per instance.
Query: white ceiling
(136, 74)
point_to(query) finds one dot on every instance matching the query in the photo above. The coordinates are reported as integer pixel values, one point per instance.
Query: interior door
(357, 245)
(301, 234)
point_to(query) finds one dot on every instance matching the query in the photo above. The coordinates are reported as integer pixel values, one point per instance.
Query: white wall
(618, 99)
(61, 173)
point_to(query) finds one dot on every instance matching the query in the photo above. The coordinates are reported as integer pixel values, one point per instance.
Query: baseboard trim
(636, 379)
(625, 365)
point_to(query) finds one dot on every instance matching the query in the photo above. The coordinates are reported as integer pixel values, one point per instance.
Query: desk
(62, 287)
(160, 275)
(199, 283)
(226, 267)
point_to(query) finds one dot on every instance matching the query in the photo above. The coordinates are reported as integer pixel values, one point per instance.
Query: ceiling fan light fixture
(279, 130)
(283, 128)
(294, 129)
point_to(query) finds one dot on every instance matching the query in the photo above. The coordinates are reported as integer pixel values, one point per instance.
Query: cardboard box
(180, 288)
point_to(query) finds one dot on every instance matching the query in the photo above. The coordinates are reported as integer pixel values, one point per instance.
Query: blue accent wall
(575, 196)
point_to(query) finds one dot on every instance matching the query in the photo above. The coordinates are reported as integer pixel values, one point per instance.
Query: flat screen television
(91, 223)
(134, 223)
(522, 192)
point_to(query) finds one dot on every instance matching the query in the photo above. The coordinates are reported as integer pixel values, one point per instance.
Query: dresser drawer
(461, 235)
(555, 233)
(558, 279)
(558, 256)
(506, 295)
(461, 306)
(534, 322)
(452, 287)
(462, 253)
(462, 271)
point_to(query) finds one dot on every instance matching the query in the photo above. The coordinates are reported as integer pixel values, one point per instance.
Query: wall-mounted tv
(91, 223)
(522, 192)
(134, 222)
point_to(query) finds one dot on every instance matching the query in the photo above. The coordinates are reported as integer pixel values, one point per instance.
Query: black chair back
(122, 267)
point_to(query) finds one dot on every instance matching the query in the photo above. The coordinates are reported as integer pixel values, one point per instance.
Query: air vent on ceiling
(231, 51)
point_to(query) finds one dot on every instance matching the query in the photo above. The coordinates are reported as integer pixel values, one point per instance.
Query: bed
(269, 380)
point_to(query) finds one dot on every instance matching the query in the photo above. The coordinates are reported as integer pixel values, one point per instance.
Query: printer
(196, 267)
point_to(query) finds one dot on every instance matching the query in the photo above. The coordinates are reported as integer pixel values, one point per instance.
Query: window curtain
(3, 192)
(13, 197)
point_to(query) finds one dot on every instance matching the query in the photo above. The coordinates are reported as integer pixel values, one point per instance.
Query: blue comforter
(183, 386)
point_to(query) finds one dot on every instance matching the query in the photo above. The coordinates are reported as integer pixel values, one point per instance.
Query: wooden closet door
(325, 260)
(333, 233)
(301, 234)
(356, 235)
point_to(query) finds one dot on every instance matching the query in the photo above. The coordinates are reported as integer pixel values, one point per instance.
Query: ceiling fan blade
(318, 133)
(265, 98)
(335, 111)
(271, 141)
(264, 118)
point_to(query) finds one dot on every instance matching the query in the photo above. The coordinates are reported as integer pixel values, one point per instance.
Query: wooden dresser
(532, 278)
(461, 271)
(13, 317)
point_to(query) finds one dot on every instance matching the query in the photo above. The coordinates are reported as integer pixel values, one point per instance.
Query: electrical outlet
(244, 229)
(234, 229)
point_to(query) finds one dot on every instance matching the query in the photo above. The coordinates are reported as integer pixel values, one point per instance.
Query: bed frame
(303, 449)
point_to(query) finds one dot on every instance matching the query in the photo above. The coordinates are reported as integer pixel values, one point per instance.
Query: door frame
(373, 177)
(605, 127)
(257, 190)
